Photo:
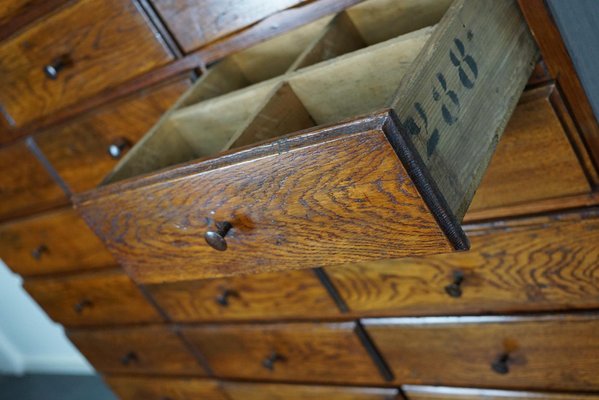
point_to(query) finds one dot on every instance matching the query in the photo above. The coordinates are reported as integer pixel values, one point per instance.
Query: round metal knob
(216, 239)
(454, 289)
(500, 365)
(129, 358)
(51, 70)
(39, 251)
(118, 147)
(223, 298)
(269, 362)
(83, 304)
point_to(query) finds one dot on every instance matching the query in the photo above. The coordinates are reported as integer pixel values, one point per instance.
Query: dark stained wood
(142, 350)
(291, 204)
(560, 66)
(78, 150)
(25, 186)
(62, 240)
(103, 298)
(326, 352)
(152, 388)
(264, 391)
(107, 43)
(15, 14)
(544, 266)
(292, 294)
(544, 353)
(539, 75)
(413, 392)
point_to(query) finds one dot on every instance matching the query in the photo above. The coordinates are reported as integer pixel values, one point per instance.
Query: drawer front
(294, 294)
(547, 266)
(329, 352)
(84, 151)
(145, 350)
(251, 391)
(92, 44)
(25, 186)
(14, 14)
(546, 352)
(155, 388)
(103, 298)
(58, 241)
(449, 393)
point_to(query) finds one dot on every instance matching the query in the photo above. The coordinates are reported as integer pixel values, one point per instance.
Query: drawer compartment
(156, 388)
(522, 265)
(558, 352)
(84, 48)
(58, 241)
(326, 352)
(301, 170)
(451, 393)
(103, 298)
(262, 391)
(143, 350)
(292, 294)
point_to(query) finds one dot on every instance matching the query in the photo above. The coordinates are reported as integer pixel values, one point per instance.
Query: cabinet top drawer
(74, 53)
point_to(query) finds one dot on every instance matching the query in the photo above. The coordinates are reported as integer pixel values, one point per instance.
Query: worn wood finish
(107, 43)
(543, 266)
(413, 392)
(548, 352)
(79, 150)
(264, 391)
(459, 99)
(57, 241)
(25, 186)
(152, 388)
(103, 298)
(293, 294)
(327, 352)
(142, 350)
(291, 205)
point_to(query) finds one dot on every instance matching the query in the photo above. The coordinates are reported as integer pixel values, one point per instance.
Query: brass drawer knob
(269, 362)
(118, 147)
(500, 365)
(39, 251)
(129, 358)
(223, 298)
(454, 289)
(216, 239)
(82, 305)
(59, 63)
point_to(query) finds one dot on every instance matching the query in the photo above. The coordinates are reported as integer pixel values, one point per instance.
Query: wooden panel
(544, 266)
(15, 14)
(105, 41)
(57, 241)
(449, 393)
(196, 23)
(79, 150)
(549, 352)
(133, 388)
(146, 350)
(250, 391)
(534, 159)
(295, 294)
(104, 298)
(325, 352)
(25, 186)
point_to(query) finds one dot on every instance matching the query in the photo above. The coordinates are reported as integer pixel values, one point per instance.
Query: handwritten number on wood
(467, 81)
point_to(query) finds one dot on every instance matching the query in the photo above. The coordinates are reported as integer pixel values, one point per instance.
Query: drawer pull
(83, 304)
(51, 70)
(454, 289)
(39, 251)
(118, 147)
(129, 358)
(216, 240)
(269, 362)
(500, 364)
(223, 298)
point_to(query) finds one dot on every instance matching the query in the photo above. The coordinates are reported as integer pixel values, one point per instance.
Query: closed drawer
(522, 265)
(25, 186)
(103, 298)
(293, 294)
(156, 388)
(450, 393)
(85, 48)
(328, 352)
(58, 241)
(545, 352)
(143, 350)
(14, 14)
(262, 391)
(84, 151)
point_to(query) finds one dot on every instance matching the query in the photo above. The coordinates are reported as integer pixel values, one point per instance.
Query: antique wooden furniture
(287, 228)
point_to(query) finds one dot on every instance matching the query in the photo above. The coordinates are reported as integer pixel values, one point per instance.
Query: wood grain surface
(273, 391)
(158, 388)
(414, 392)
(16, 14)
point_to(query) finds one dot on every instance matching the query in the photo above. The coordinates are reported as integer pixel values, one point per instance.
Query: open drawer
(366, 139)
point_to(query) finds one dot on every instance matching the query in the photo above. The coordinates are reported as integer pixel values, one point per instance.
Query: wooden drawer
(144, 350)
(318, 197)
(327, 352)
(261, 391)
(156, 388)
(84, 151)
(58, 241)
(25, 186)
(522, 265)
(103, 298)
(293, 294)
(98, 43)
(545, 352)
(450, 393)
(14, 14)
